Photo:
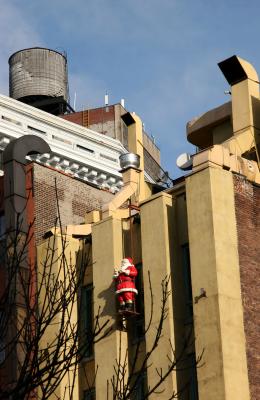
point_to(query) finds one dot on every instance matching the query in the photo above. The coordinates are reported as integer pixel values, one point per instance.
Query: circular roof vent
(129, 160)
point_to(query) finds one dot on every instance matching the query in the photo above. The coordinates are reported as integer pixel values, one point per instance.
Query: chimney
(244, 83)
(129, 163)
(244, 87)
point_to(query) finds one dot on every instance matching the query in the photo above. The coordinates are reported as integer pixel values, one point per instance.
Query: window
(108, 157)
(36, 130)
(138, 321)
(2, 226)
(193, 387)
(187, 282)
(2, 238)
(13, 121)
(90, 394)
(193, 383)
(84, 148)
(139, 301)
(86, 315)
(59, 139)
(2, 334)
(2, 351)
(140, 386)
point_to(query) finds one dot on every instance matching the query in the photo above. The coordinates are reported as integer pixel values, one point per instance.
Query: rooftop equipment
(129, 160)
(184, 162)
(39, 77)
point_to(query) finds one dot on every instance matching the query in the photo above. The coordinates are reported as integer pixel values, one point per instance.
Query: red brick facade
(247, 204)
(76, 117)
(92, 116)
(75, 198)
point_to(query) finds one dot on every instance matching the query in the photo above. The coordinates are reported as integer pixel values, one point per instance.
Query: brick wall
(247, 204)
(95, 116)
(76, 117)
(103, 114)
(151, 166)
(75, 198)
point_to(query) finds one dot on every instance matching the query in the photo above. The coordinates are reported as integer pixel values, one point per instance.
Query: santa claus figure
(125, 284)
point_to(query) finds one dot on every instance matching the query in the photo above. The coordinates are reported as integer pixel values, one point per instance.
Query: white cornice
(43, 117)
(75, 147)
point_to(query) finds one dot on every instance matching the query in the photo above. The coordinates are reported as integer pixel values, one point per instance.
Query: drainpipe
(15, 198)
(129, 163)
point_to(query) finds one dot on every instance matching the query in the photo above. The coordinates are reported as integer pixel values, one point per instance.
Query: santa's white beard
(124, 264)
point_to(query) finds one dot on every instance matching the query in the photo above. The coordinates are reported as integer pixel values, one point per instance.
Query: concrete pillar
(218, 318)
(156, 220)
(135, 145)
(242, 106)
(51, 254)
(107, 253)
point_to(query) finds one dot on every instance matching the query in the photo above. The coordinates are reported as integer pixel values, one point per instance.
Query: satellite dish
(184, 162)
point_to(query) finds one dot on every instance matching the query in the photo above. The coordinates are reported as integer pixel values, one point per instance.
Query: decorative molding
(76, 150)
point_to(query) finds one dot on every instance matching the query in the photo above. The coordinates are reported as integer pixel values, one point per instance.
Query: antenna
(106, 99)
(184, 161)
(74, 102)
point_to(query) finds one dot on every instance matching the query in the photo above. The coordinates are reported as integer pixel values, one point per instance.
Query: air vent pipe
(129, 163)
(129, 160)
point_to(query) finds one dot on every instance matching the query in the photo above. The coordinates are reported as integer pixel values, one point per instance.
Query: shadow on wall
(109, 298)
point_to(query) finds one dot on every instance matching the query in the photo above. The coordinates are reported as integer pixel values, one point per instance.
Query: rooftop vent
(235, 70)
(129, 160)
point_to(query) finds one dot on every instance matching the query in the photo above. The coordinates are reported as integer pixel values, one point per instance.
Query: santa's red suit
(125, 283)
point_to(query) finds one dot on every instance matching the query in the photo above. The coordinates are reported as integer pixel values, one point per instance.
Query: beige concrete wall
(183, 324)
(135, 145)
(86, 373)
(107, 253)
(222, 132)
(120, 128)
(150, 146)
(242, 111)
(156, 234)
(49, 254)
(132, 240)
(218, 318)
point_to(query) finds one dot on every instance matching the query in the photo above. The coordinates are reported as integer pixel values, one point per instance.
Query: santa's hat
(126, 262)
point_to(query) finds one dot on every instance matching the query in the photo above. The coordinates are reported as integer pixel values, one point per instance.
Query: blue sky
(160, 55)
